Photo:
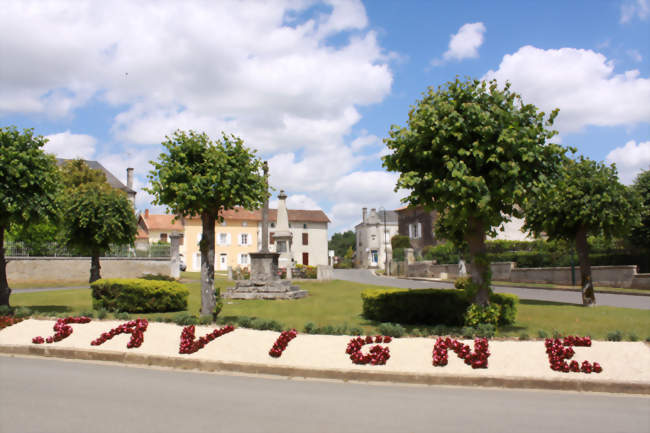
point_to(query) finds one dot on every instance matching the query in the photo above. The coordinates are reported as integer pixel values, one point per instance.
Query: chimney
(364, 213)
(129, 178)
(146, 213)
(373, 210)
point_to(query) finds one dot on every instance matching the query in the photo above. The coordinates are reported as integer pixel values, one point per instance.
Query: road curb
(343, 375)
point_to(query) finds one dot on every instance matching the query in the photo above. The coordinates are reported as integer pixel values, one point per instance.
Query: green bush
(102, 313)
(429, 306)
(476, 315)
(88, 313)
(137, 295)
(185, 319)
(264, 324)
(523, 336)
(398, 255)
(486, 330)
(400, 241)
(157, 277)
(121, 315)
(615, 336)
(508, 307)
(391, 329)
(205, 320)
(21, 312)
(542, 334)
(5, 310)
(441, 253)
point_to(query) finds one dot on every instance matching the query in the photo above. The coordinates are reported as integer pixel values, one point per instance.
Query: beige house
(154, 228)
(240, 234)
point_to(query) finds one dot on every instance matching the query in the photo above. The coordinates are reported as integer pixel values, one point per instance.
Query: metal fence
(53, 249)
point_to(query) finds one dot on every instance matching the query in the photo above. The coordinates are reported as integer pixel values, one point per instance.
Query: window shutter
(271, 239)
(419, 230)
(228, 240)
(305, 238)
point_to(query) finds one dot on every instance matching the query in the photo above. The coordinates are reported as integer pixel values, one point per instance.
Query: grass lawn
(338, 302)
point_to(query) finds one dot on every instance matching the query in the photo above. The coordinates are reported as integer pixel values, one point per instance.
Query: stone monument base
(264, 289)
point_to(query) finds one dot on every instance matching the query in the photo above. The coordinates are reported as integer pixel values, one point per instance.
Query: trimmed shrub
(430, 306)
(400, 241)
(476, 315)
(185, 319)
(136, 295)
(615, 336)
(157, 277)
(391, 329)
(22, 312)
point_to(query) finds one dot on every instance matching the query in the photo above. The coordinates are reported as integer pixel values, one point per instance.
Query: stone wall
(609, 276)
(26, 269)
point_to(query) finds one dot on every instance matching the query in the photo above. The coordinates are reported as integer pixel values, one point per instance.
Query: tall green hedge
(429, 307)
(136, 295)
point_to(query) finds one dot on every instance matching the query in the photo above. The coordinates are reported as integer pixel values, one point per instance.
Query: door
(374, 258)
(305, 259)
(223, 262)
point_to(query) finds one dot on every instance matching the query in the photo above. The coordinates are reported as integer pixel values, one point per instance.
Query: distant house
(419, 225)
(157, 228)
(373, 235)
(110, 178)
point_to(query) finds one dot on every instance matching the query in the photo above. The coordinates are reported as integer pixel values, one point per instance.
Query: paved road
(47, 395)
(364, 276)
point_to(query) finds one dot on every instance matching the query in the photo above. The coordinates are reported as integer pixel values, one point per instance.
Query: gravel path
(621, 361)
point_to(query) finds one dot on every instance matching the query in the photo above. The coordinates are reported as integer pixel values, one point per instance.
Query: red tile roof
(161, 222)
(295, 215)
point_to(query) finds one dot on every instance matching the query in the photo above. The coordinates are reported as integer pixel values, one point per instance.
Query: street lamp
(386, 267)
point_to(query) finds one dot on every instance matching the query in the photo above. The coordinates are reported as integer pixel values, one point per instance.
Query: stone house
(373, 235)
(157, 228)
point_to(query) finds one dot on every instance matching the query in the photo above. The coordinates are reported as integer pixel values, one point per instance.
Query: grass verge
(339, 302)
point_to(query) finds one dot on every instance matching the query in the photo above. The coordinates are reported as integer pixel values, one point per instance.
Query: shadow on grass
(49, 308)
(547, 303)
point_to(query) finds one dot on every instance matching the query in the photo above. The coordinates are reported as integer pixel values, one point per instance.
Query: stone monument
(265, 283)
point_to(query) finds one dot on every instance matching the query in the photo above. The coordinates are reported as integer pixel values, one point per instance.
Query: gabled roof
(110, 178)
(161, 222)
(295, 215)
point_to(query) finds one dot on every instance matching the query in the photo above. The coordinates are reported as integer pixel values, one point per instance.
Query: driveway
(364, 276)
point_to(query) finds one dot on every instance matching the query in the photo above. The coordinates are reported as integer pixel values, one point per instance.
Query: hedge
(136, 295)
(429, 307)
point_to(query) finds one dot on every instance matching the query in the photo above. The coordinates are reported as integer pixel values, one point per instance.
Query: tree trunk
(479, 267)
(5, 291)
(208, 299)
(94, 267)
(588, 295)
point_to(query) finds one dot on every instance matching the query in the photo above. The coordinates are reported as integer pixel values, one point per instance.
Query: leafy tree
(28, 187)
(340, 242)
(585, 199)
(97, 217)
(400, 241)
(76, 173)
(640, 235)
(39, 237)
(472, 152)
(200, 177)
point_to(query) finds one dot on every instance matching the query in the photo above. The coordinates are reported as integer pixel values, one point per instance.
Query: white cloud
(631, 9)
(365, 140)
(464, 44)
(68, 145)
(297, 201)
(630, 160)
(581, 83)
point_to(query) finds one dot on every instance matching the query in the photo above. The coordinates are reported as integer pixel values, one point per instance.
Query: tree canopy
(201, 177)
(340, 242)
(29, 184)
(472, 151)
(585, 199)
(640, 235)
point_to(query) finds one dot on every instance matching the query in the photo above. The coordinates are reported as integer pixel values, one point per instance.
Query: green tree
(340, 242)
(640, 235)
(28, 187)
(96, 215)
(585, 199)
(472, 152)
(200, 177)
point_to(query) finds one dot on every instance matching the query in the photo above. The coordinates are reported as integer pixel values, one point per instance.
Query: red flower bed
(190, 345)
(6, 321)
(377, 355)
(62, 329)
(477, 359)
(135, 327)
(282, 342)
(559, 351)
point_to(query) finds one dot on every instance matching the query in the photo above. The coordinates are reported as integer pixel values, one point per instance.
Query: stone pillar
(265, 212)
(175, 271)
(409, 257)
(230, 272)
(289, 273)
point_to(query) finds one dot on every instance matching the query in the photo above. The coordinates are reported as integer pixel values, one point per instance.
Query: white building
(373, 238)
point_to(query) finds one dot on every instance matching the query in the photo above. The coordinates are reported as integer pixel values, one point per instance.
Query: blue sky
(315, 86)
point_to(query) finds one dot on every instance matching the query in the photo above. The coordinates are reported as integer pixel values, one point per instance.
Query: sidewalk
(512, 364)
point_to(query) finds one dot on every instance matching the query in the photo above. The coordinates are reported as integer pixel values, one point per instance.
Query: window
(304, 226)
(244, 224)
(223, 239)
(243, 259)
(163, 237)
(305, 238)
(223, 223)
(271, 239)
(272, 225)
(281, 247)
(374, 237)
(415, 230)
(243, 239)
